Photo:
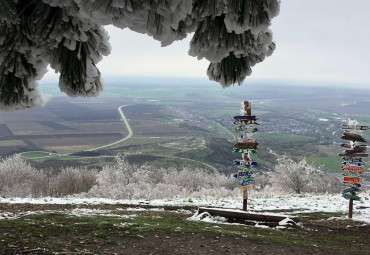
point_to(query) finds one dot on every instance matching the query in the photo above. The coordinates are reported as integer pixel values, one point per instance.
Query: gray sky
(318, 41)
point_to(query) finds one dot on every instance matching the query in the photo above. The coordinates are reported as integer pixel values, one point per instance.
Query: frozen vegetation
(124, 181)
(130, 184)
(69, 36)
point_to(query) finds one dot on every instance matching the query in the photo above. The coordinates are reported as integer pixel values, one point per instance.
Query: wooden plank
(244, 215)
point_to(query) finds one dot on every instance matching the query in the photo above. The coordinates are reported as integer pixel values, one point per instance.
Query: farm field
(170, 119)
(35, 154)
(6, 143)
(74, 143)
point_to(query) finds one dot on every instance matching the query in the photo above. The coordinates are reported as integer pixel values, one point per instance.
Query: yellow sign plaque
(250, 186)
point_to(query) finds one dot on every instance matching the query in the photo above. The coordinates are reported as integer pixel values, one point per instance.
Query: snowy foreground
(273, 203)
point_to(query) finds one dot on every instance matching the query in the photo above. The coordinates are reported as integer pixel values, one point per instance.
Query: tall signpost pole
(245, 124)
(353, 164)
(350, 208)
(245, 199)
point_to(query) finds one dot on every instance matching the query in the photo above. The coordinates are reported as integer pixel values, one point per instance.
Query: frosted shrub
(44, 183)
(261, 181)
(298, 177)
(191, 180)
(74, 181)
(111, 180)
(19, 179)
(125, 181)
(16, 176)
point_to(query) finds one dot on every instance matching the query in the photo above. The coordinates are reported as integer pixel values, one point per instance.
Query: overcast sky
(318, 41)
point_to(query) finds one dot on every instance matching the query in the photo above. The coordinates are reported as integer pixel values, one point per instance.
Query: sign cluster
(353, 163)
(245, 124)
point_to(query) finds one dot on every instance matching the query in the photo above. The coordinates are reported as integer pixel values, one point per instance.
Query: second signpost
(245, 124)
(353, 163)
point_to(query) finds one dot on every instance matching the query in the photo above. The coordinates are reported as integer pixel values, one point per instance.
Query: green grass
(260, 160)
(330, 163)
(283, 137)
(7, 143)
(53, 231)
(35, 154)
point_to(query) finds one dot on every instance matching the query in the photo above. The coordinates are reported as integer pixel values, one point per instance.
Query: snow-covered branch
(298, 177)
(69, 35)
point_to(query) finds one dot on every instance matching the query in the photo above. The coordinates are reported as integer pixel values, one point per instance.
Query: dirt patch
(190, 243)
(201, 243)
(143, 229)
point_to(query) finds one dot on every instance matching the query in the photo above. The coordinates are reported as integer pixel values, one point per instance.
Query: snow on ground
(303, 203)
(87, 212)
(206, 217)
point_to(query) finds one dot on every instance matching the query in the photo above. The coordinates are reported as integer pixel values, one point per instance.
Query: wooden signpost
(353, 165)
(245, 124)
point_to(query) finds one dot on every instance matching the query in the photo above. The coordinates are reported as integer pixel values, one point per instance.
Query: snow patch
(304, 203)
(206, 217)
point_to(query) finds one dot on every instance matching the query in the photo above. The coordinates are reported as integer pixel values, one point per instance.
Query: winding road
(130, 132)
(129, 135)
(228, 131)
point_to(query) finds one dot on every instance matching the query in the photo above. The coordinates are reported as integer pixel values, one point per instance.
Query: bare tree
(297, 177)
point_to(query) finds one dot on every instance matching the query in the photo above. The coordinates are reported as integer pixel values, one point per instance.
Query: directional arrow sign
(349, 163)
(250, 186)
(349, 167)
(352, 174)
(349, 196)
(239, 162)
(244, 150)
(352, 179)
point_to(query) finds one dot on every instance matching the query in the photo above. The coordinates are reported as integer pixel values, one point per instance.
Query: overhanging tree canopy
(233, 35)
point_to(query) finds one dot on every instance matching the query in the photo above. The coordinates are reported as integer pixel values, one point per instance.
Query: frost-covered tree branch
(298, 177)
(68, 35)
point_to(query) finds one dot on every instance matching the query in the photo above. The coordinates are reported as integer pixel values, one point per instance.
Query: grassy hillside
(331, 164)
